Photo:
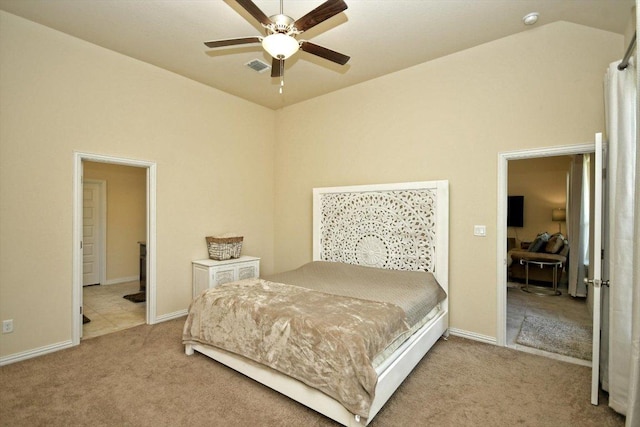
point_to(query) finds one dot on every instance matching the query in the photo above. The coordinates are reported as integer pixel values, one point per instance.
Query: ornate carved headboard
(394, 226)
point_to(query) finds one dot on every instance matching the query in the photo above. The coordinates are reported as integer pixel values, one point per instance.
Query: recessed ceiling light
(530, 18)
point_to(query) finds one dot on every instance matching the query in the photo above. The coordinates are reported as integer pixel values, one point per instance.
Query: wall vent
(258, 65)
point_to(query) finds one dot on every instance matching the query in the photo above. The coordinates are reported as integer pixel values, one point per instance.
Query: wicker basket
(222, 248)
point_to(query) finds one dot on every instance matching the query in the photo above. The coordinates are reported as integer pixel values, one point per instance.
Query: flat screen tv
(515, 211)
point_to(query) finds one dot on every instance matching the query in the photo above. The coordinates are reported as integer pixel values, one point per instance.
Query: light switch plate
(480, 230)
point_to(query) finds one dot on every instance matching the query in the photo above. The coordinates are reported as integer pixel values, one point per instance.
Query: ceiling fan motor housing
(282, 24)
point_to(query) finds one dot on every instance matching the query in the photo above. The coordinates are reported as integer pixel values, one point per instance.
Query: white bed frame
(376, 246)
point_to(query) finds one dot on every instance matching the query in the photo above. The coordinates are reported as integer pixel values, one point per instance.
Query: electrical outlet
(7, 326)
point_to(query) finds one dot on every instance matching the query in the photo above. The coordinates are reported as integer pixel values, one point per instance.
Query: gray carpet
(141, 377)
(556, 336)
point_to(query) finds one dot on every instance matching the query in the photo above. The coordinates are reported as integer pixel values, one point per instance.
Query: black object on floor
(138, 297)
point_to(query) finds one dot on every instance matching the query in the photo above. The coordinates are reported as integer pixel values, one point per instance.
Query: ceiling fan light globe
(280, 46)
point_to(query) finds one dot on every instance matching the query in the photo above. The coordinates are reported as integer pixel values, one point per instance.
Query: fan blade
(321, 13)
(277, 67)
(231, 42)
(254, 11)
(325, 53)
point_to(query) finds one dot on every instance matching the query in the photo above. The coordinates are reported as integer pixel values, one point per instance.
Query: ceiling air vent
(258, 65)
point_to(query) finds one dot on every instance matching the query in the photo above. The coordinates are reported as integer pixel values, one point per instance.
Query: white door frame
(599, 238)
(501, 226)
(78, 158)
(102, 228)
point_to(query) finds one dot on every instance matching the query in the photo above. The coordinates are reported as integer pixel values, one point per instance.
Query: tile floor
(109, 311)
(563, 307)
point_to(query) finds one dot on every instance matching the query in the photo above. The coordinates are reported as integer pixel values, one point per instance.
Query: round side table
(540, 290)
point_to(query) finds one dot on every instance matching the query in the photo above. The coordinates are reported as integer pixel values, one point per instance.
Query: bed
(373, 247)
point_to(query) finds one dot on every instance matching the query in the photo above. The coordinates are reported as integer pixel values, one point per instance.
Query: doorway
(505, 338)
(114, 212)
(150, 233)
(556, 324)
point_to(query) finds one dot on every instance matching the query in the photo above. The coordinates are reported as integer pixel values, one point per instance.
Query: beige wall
(543, 183)
(214, 155)
(126, 216)
(445, 119)
(227, 165)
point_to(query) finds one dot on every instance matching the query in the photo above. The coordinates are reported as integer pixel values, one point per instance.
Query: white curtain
(576, 212)
(623, 357)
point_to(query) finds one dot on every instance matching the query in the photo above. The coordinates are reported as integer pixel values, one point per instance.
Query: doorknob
(596, 283)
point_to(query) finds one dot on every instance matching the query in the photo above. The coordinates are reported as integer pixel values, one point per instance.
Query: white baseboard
(29, 354)
(40, 351)
(170, 316)
(121, 280)
(473, 336)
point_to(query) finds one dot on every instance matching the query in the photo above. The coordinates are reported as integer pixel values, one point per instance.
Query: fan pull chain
(281, 76)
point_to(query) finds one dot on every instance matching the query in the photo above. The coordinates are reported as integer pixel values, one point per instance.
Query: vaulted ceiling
(380, 36)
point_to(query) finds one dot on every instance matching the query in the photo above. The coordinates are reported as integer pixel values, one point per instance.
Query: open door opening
(545, 315)
(113, 292)
(79, 230)
(502, 244)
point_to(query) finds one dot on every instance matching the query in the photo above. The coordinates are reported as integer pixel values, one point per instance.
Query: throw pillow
(555, 244)
(539, 243)
(536, 245)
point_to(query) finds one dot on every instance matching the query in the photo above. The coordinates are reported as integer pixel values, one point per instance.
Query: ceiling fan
(281, 32)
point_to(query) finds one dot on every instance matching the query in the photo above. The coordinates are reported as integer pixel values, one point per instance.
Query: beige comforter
(326, 341)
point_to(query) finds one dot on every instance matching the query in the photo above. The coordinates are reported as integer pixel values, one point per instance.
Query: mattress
(416, 292)
(326, 341)
(328, 325)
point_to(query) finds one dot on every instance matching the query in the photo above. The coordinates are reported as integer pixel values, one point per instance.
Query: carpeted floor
(141, 377)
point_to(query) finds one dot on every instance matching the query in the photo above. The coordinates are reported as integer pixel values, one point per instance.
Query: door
(91, 233)
(595, 272)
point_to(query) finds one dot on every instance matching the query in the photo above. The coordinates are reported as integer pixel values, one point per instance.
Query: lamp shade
(558, 214)
(280, 46)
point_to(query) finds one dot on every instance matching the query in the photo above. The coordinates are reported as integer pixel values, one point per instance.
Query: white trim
(501, 225)
(79, 157)
(35, 352)
(171, 316)
(472, 336)
(151, 243)
(102, 184)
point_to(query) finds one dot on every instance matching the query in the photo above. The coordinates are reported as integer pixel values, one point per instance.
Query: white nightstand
(208, 273)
